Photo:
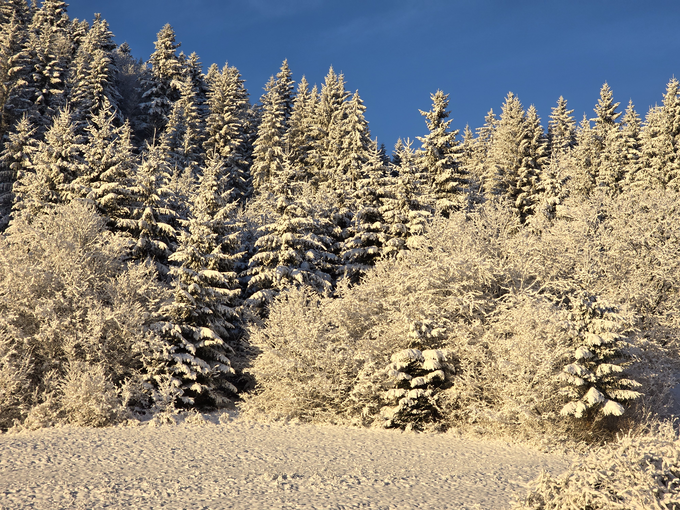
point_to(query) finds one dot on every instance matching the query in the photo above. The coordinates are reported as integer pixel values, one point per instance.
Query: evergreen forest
(169, 242)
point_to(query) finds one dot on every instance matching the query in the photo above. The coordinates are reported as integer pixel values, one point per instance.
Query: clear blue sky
(397, 52)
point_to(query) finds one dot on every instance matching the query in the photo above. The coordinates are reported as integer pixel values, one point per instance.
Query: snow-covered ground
(245, 465)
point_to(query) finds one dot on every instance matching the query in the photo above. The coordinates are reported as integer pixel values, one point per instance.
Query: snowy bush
(68, 297)
(634, 472)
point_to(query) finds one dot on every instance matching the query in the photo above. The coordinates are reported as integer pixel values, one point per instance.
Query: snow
(240, 464)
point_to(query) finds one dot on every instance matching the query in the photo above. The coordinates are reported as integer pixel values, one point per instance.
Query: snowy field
(241, 464)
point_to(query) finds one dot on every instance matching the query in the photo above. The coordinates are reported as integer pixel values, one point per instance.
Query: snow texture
(229, 462)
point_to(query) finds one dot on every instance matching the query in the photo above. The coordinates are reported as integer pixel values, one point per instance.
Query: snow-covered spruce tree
(365, 237)
(55, 163)
(298, 141)
(193, 70)
(329, 111)
(561, 129)
(13, 33)
(660, 138)
(161, 82)
(403, 207)
(150, 219)
(631, 126)
(110, 165)
(294, 248)
(40, 74)
(92, 74)
(15, 161)
(286, 87)
(438, 156)
(226, 133)
(415, 377)
(201, 320)
(268, 151)
(349, 145)
(15, 8)
(516, 152)
(594, 381)
(585, 159)
(181, 139)
(480, 166)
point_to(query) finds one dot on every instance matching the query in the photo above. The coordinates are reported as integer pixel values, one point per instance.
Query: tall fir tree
(286, 87)
(201, 321)
(585, 159)
(13, 34)
(161, 83)
(439, 157)
(561, 129)
(660, 138)
(269, 150)
(226, 127)
(15, 161)
(481, 168)
(55, 163)
(329, 112)
(298, 141)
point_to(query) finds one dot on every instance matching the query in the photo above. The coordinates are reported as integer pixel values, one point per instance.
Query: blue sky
(398, 52)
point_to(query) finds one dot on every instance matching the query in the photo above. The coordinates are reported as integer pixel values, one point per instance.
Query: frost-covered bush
(635, 472)
(67, 297)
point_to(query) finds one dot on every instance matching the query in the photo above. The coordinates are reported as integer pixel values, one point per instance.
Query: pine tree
(561, 129)
(365, 237)
(285, 86)
(268, 153)
(585, 157)
(161, 84)
(481, 167)
(517, 151)
(201, 320)
(54, 164)
(93, 73)
(15, 161)
(439, 158)
(329, 112)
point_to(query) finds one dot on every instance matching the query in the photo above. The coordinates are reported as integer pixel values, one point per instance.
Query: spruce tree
(329, 112)
(349, 145)
(201, 322)
(585, 158)
(439, 158)
(161, 83)
(298, 141)
(54, 164)
(108, 154)
(13, 33)
(15, 161)
(660, 139)
(561, 129)
(285, 86)
(269, 150)
(226, 131)
(480, 167)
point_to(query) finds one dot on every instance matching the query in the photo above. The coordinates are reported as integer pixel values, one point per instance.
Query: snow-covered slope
(245, 465)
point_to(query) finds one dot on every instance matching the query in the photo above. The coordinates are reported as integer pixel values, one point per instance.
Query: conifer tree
(201, 320)
(561, 129)
(226, 131)
(18, 9)
(54, 164)
(268, 152)
(660, 139)
(285, 86)
(161, 83)
(349, 145)
(150, 218)
(298, 141)
(439, 158)
(52, 13)
(13, 33)
(15, 161)
(108, 154)
(294, 248)
(365, 236)
(585, 157)
(517, 150)
(480, 166)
